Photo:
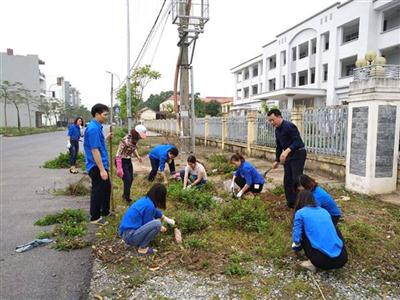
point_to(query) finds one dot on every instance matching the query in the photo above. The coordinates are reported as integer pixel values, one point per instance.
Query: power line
(159, 40)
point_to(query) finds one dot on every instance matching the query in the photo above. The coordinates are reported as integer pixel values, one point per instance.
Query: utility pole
(184, 95)
(128, 74)
(192, 112)
(111, 124)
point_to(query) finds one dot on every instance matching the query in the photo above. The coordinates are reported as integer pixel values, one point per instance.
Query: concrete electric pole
(190, 16)
(128, 74)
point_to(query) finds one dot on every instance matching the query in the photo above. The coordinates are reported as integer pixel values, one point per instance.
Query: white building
(312, 63)
(66, 92)
(22, 69)
(147, 114)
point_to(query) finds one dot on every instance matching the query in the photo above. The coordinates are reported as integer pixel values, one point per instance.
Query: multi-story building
(23, 69)
(66, 92)
(312, 63)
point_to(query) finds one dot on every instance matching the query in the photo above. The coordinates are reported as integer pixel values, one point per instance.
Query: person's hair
(237, 157)
(306, 182)
(158, 194)
(174, 151)
(274, 111)
(305, 198)
(135, 136)
(79, 118)
(192, 159)
(98, 109)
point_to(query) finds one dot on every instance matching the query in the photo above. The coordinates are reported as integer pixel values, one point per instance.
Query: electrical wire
(159, 40)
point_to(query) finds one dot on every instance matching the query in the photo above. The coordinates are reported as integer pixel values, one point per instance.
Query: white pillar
(290, 102)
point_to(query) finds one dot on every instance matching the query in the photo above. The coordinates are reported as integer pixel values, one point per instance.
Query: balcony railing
(377, 71)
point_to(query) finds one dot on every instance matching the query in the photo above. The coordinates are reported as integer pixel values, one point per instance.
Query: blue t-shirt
(74, 131)
(139, 213)
(318, 227)
(326, 201)
(94, 139)
(249, 173)
(160, 152)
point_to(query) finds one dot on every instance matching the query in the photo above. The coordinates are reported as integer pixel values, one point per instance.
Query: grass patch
(74, 189)
(14, 131)
(236, 264)
(62, 161)
(278, 190)
(71, 226)
(195, 243)
(189, 222)
(193, 198)
(221, 164)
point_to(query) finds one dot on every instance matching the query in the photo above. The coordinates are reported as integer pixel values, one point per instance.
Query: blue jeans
(142, 236)
(73, 152)
(192, 178)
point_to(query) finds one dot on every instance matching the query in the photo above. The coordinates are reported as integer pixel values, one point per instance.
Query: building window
(261, 87)
(303, 50)
(283, 58)
(239, 94)
(325, 38)
(283, 81)
(293, 79)
(272, 62)
(347, 66)
(239, 77)
(391, 19)
(303, 78)
(246, 92)
(313, 46)
(325, 72)
(255, 71)
(254, 89)
(312, 70)
(350, 31)
(246, 74)
(261, 67)
(294, 51)
(271, 84)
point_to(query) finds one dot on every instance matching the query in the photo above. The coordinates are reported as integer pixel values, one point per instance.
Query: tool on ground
(32, 244)
(266, 172)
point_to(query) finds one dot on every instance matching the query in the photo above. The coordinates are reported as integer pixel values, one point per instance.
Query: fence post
(251, 130)
(206, 129)
(297, 117)
(224, 133)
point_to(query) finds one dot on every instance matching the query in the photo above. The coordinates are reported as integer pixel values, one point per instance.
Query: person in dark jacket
(246, 177)
(159, 156)
(74, 136)
(290, 152)
(314, 231)
(141, 222)
(322, 197)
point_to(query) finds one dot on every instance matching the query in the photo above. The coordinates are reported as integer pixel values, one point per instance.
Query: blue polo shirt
(326, 201)
(74, 132)
(249, 173)
(287, 136)
(318, 227)
(160, 152)
(94, 139)
(139, 213)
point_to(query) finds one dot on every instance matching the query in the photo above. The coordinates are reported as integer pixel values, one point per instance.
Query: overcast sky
(80, 39)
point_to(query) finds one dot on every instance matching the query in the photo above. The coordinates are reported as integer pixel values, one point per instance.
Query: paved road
(41, 273)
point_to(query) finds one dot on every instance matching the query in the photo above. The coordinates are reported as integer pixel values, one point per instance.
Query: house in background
(168, 105)
(147, 114)
(311, 64)
(226, 102)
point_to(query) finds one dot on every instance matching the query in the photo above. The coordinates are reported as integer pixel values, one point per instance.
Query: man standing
(290, 152)
(97, 165)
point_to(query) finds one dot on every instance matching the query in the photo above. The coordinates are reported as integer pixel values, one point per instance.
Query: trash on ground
(32, 244)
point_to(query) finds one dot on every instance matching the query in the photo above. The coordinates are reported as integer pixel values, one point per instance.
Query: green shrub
(197, 199)
(235, 266)
(248, 215)
(221, 163)
(277, 191)
(62, 161)
(74, 215)
(196, 243)
(174, 190)
(189, 222)
(358, 233)
(76, 189)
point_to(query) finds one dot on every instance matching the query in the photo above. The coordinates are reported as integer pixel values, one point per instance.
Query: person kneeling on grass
(194, 172)
(246, 177)
(159, 156)
(322, 197)
(314, 231)
(141, 222)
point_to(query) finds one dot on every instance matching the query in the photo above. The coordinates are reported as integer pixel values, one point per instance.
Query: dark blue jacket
(287, 136)
(326, 201)
(74, 132)
(160, 152)
(249, 173)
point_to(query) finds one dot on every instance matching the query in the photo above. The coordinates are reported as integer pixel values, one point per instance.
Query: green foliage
(74, 189)
(44, 235)
(154, 101)
(190, 222)
(70, 228)
(62, 161)
(221, 163)
(278, 190)
(358, 233)
(212, 108)
(248, 215)
(195, 243)
(265, 108)
(235, 266)
(193, 198)
(174, 190)
(13, 131)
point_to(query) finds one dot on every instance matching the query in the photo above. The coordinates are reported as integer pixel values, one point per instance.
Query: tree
(154, 101)
(6, 88)
(17, 98)
(213, 108)
(140, 78)
(45, 108)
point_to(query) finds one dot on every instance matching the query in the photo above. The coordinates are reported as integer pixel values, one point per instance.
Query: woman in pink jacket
(127, 149)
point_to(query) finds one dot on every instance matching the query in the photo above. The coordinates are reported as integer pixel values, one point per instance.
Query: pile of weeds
(70, 227)
(221, 164)
(62, 161)
(193, 198)
(74, 189)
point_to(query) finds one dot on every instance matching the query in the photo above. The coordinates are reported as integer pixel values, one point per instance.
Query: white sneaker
(309, 266)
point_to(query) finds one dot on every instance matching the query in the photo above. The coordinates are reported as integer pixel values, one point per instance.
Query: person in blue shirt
(290, 152)
(159, 156)
(141, 222)
(322, 197)
(314, 231)
(97, 165)
(246, 177)
(74, 135)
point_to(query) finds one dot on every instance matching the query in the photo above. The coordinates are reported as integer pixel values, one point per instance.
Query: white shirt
(199, 168)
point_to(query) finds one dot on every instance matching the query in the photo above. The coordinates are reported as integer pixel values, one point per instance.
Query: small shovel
(266, 172)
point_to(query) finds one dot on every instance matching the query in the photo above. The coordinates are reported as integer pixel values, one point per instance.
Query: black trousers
(100, 195)
(241, 182)
(128, 177)
(155, 165)
(321, 260)
(293, 167)
(73, 152)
